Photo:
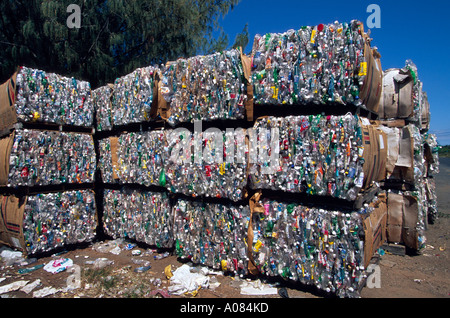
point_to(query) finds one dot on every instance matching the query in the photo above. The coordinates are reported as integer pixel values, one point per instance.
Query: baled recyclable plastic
(205, 88)
(132, 96)
(57, 219)
(323, 248)
(140, 215)
(314, 154)
(212, 234)
(316, 64)
(51, 157)
(52, 98)
(211, 164)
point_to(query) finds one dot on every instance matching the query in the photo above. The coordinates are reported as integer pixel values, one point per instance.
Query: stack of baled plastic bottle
(48, 165)
(337, 162)
(166, 174)
(322, 243)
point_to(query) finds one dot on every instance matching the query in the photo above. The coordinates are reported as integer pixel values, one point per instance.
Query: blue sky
(416, 30)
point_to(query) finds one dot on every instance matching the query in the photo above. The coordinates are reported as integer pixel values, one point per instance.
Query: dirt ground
(410, 276)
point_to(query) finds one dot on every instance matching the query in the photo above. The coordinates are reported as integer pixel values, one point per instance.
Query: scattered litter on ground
(29, 269)
(13, 286)
(109, 247)
(142, 269)
(168, 271)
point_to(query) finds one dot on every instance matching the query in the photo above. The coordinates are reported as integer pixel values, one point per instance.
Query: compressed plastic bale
(133, 158)
(132, 96)
(103, 108)
(141, 157)
(311, 245)
(431, 154)
(406, 150)
(407, 218)
(403, 96)
(211, 164)
(51, 157)
(315, 64)
(57, 219)
(212, 234)
(426, 115)
(318, 155)
(140, 215)
(52, 98)
(431, 200)
(206, 88)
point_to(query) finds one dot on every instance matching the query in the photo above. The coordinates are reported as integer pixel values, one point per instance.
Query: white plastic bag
(183, 281)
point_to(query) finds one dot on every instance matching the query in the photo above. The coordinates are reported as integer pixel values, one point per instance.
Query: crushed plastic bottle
(161, 256)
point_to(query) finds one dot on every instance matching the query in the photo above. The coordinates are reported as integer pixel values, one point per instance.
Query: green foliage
(242, 38)
(444, 151)
(115, 37)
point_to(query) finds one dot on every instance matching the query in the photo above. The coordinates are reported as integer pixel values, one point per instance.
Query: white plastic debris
(100, 263)
(111, 246)
(46, 291)
(10, 257)
(257, 288)
(13, 286)
(183, 281)
(29, 287)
